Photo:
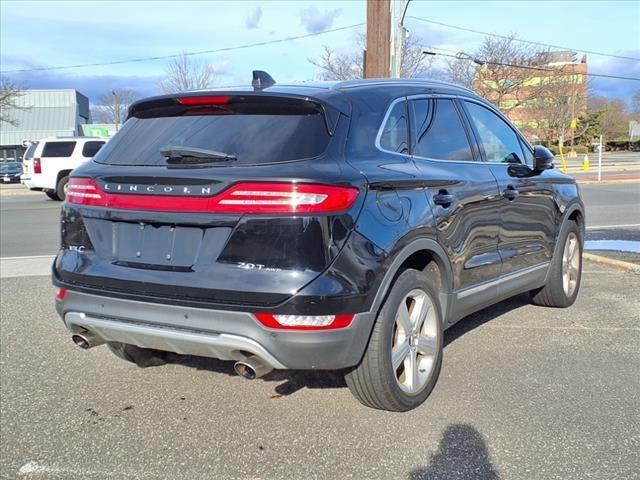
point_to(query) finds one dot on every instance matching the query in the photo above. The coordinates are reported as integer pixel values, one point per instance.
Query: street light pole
(398, 34)
(116, 108)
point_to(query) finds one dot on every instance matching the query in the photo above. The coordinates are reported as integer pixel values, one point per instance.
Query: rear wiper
(182, 155)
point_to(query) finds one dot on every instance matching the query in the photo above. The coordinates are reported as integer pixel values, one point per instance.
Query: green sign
(97, 132)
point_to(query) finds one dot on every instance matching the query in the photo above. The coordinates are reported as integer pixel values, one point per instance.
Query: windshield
(252, 139)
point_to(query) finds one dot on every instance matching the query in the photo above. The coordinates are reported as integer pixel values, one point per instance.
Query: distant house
(43, 113)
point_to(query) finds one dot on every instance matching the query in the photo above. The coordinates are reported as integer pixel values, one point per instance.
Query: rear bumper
(222, 334)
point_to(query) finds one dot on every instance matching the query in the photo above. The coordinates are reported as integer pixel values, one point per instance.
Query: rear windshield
(58, 149)
(89, 149)
(28, 155)
(251, 138)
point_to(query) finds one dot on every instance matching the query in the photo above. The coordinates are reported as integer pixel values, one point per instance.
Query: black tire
(52, 195)
(553, 294)
(374, 382)
(142, 357)
(61, 188)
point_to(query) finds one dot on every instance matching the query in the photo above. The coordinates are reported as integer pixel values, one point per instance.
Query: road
(525, 393)
(29, 221)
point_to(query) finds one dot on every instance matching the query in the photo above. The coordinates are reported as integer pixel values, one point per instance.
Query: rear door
(527, 205)
(461, 189)
(27, 159)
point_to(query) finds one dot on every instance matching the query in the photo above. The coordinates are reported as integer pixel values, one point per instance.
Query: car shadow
(462, 454)
(291, 381)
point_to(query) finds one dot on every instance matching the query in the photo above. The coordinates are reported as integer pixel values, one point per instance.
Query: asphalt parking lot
(525, 393)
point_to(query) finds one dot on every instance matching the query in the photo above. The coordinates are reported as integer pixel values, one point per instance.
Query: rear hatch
(226, 199)
(27, 159)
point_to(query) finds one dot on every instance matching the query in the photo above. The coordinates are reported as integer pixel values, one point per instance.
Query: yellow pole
(564, 164)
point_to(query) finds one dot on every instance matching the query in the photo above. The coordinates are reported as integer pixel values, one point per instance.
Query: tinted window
(439, 132)
(91, 148)
(252, 138)
(500, 142)
(394, 133)
(58, 149)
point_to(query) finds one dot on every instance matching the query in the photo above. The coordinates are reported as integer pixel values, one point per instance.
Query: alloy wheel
(414, 346)
(570, 264)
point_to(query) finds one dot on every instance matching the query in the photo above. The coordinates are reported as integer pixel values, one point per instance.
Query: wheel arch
(418, 254)
(61, 174)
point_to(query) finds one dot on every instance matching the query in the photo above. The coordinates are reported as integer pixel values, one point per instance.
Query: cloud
(253, 17)
(314, 21)
(612, 87)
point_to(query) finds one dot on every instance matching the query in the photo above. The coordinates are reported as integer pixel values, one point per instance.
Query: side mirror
(542, 158)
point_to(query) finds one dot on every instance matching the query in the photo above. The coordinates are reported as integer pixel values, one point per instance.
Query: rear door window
(438, 130)
(499, 141)
(394, 133)
(58, 149)
(89, 149)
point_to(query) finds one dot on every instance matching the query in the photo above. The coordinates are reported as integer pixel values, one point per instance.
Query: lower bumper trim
(222, 346)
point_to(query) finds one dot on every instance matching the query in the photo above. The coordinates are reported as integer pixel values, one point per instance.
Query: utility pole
(398, 34)
(378, 38)
(116, 108)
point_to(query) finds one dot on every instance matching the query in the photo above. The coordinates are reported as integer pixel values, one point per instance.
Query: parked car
(48, 162)
(10, 172)
(319, 226)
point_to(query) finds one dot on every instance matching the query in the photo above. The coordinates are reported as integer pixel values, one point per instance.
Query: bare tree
(187, 73)
(9, 95)
(462, 72)
(349, 65)
(635, 103)
(506, 76)
(112, 106)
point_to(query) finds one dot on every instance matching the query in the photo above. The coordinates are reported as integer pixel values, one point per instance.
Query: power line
(530, 42)
(200, 52)
(464, 56)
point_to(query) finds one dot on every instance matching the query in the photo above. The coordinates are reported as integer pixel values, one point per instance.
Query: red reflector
(304, 322)
(204, 100)
(37, 166)
(241, 198)
(61, 293)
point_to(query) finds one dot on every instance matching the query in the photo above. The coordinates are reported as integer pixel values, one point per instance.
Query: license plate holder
(163, 245)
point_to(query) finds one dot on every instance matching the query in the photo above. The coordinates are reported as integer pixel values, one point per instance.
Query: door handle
(510, 193)
(443, 198)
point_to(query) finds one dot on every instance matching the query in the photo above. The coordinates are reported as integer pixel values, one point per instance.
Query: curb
(630, 267)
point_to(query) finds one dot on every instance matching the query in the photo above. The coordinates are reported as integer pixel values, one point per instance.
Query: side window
(439, 133)
(500, 142)
(89, 149)
(394, 133)
(58, 149)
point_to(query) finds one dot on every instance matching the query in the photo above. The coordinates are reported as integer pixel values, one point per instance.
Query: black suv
(316, 226)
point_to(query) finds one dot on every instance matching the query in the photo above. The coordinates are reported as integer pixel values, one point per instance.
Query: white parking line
(11, 267)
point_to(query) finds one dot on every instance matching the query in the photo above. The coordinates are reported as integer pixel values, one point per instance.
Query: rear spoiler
(241, 101)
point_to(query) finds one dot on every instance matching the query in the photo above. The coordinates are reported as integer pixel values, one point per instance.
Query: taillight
(85, 191)
(37, 166)
(241, 198)
(304, 322)
(61, 293)
(285, 198)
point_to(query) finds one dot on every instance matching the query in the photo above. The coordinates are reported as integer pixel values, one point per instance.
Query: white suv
(48, 162)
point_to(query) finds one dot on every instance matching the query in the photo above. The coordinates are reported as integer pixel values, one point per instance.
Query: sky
(56, 33)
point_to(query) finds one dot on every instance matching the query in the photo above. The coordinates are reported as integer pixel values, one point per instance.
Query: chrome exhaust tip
(252, 367)
(86, 340)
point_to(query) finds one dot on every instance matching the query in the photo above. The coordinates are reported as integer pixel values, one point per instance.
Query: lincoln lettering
(161, 189)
